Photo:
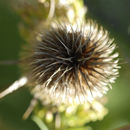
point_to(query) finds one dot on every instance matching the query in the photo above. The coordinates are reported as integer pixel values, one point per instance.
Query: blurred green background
(114, 15)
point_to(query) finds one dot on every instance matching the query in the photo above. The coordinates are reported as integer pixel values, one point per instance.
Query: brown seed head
(73, 63)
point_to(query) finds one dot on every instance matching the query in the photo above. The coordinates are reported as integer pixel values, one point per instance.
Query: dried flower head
(73, 63)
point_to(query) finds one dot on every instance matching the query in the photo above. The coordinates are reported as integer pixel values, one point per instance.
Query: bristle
(74, 63)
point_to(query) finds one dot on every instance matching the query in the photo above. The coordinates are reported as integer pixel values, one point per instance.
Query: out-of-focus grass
(13, 106)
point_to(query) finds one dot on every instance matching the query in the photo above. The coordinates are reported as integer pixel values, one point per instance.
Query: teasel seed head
(73, 63)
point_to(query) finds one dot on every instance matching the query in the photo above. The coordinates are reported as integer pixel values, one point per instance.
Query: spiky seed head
(73, 63)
